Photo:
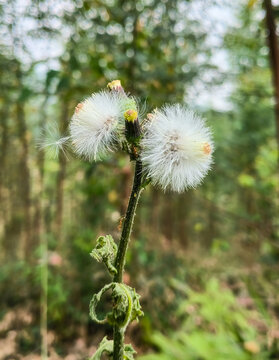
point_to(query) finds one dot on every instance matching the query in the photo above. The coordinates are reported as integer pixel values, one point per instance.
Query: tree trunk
(274, 60)
(3, 154)
(24, 171)
(24, 178)
(39, 209)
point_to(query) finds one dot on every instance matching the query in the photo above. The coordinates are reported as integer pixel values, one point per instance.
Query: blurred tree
(24, 170)
(274, 59)
(252, 120)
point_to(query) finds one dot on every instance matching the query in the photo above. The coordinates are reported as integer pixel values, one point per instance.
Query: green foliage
(106, 346)
(214, 326)
(105, 251)
(58, 295)
(126, 306)
(16, 275)
(129, 352)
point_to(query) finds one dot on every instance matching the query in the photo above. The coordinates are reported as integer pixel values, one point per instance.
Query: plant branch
(118, 333)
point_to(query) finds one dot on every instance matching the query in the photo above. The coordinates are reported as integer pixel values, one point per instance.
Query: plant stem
(118, 333)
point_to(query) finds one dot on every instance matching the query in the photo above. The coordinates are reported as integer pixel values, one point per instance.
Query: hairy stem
(118, 333)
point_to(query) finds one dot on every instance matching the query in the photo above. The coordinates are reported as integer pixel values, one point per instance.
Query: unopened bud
(132, 126)
(131, 115)
(114, 85)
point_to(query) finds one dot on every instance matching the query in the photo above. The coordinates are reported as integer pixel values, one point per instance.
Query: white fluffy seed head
(176, 148)
(95, 125)
(51, 142)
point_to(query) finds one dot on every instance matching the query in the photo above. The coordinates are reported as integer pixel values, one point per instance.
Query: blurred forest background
(205, 262)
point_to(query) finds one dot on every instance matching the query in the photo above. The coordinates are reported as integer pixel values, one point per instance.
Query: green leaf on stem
(126, 305)
(105, 251)
(129, 352)
(94, 302)
(106, 346)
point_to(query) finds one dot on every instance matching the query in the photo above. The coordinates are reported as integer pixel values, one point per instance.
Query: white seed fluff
(51, 142)
(176, 148)
(95, 124)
